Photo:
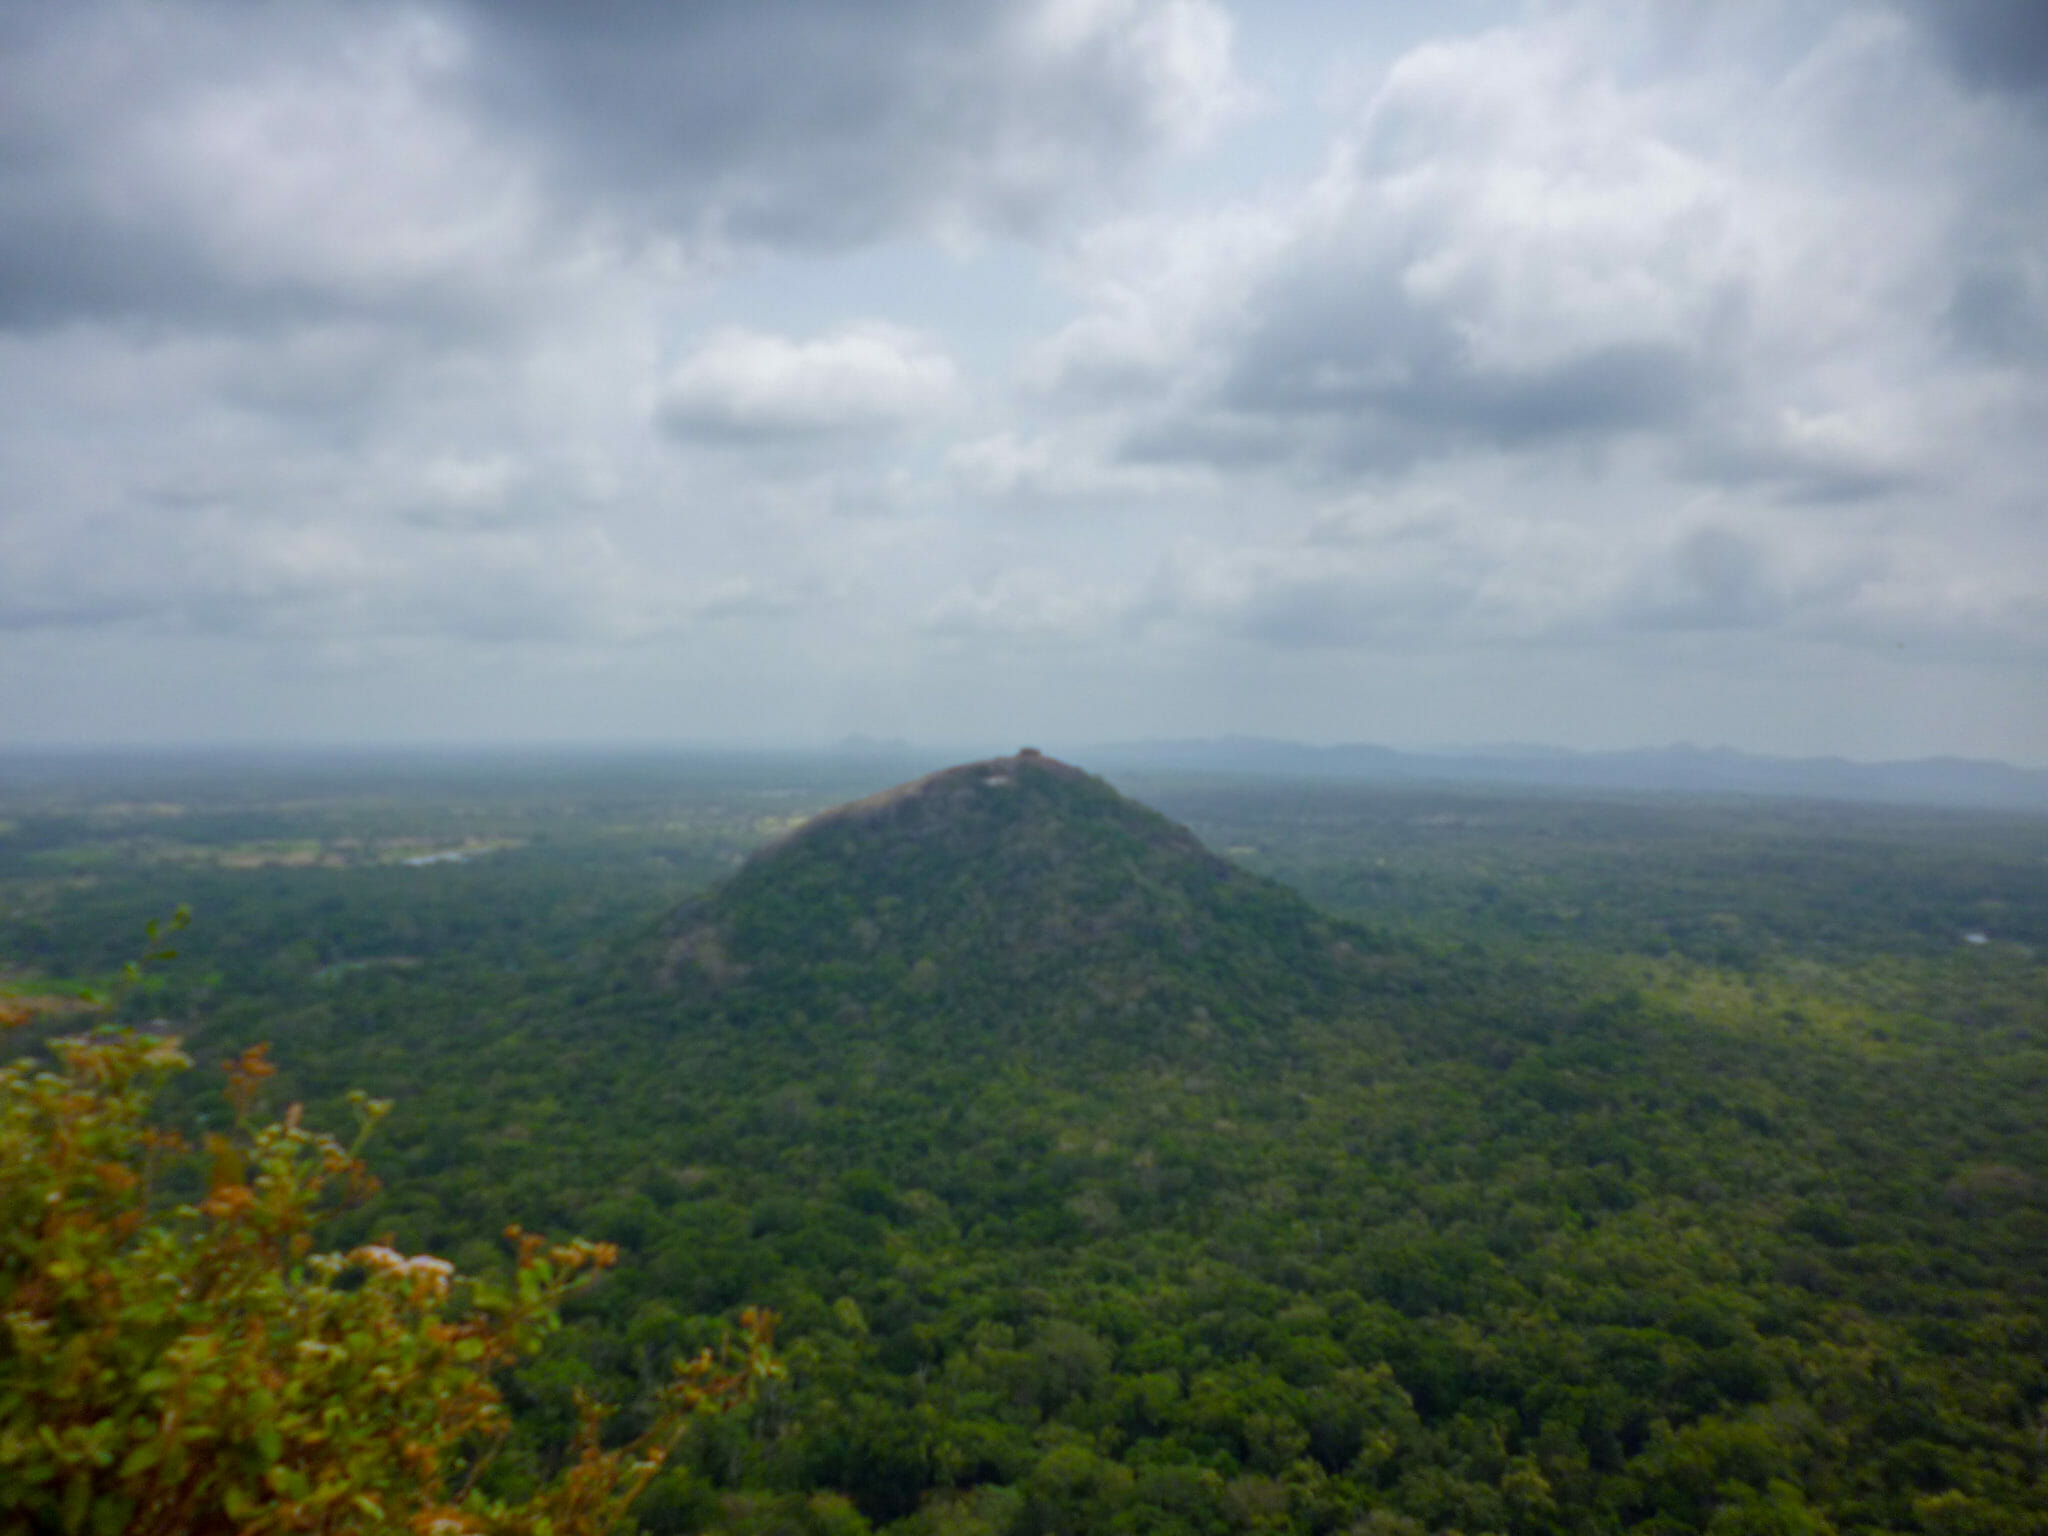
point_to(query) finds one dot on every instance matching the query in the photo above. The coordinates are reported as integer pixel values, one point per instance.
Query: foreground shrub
(198, 1367)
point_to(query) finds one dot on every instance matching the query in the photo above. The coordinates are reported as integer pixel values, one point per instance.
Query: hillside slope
(1025, 901)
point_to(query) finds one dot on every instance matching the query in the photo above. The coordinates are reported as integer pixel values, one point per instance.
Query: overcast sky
(1598, 374)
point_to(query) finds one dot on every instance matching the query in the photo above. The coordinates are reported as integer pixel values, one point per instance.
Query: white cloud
(354, 179)
(1528, 241)
(745, 386)
(1065, 467)
(1175, 55)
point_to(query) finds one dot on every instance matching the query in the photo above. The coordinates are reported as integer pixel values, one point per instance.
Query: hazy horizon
(858, 745)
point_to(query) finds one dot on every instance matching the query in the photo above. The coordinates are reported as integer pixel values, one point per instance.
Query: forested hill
(1017, 902)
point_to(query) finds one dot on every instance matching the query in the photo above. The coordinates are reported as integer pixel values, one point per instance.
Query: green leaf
(141, 1459)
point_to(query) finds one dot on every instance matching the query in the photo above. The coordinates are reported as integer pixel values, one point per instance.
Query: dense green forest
(1404, 1160)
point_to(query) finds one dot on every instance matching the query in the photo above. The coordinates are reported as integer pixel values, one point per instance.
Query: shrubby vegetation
(195, 1366)
(1649, 1167)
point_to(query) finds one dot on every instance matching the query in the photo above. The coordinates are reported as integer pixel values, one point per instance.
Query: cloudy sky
(1596, 374)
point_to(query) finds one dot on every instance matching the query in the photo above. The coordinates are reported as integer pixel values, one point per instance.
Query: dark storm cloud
(814, 123)
(1382, 382)
(1999, 305)
(222, 162)
(1713, 578)
(71, 243)
(239, 166)
(1999, 308)
(59, 262)
(1332, 359)
(2002, 44)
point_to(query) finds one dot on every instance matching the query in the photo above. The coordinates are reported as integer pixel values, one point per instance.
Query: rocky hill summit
(1020, 898)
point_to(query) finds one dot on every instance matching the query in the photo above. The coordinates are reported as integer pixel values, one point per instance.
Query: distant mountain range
(1937, 781)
